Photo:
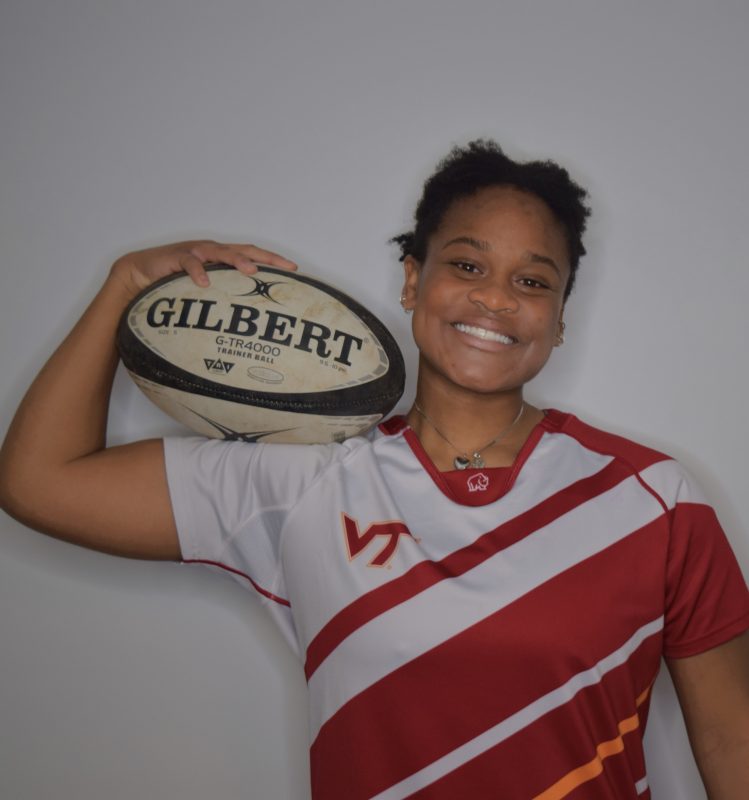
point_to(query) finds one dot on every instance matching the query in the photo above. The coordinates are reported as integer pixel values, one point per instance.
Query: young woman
(482, 591)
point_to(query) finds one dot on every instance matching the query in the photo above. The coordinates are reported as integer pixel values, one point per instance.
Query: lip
(485, 333)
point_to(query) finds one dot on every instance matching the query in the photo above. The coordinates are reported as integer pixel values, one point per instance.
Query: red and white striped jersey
(487, 634)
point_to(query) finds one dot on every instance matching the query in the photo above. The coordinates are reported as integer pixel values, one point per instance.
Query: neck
(458, 423)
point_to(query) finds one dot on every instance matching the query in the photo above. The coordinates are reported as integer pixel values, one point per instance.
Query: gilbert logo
(388, 532)
(265, 325)
(478, 482)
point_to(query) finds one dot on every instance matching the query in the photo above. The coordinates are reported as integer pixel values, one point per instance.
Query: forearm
(724, 767)
(713, 689)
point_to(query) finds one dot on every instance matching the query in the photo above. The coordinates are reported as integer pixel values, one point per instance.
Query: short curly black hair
(481, 164)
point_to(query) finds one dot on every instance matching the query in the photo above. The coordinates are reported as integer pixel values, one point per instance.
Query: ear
(560, 329)
(412, 272)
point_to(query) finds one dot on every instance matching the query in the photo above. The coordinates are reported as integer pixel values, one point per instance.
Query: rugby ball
(275, 356)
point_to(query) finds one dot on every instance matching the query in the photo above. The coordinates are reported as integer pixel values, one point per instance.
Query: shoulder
(306, 456)
(657, 471)
(194, 453)
(638, 455)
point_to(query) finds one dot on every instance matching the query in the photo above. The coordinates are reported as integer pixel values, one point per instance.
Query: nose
(495, 296)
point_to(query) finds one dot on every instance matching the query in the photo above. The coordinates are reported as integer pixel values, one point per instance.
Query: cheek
(433, 307)
(427, 291)
(548, 326)
(546, 320)
(420, 330)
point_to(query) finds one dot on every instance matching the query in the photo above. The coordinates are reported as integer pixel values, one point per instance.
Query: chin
(480, 383)
(491, 389)
(478, 378)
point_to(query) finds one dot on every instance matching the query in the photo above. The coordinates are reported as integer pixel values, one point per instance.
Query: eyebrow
(479, 244)
(539, 259)
(485, 247)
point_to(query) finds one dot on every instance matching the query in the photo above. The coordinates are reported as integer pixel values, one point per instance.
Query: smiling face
(488, 298)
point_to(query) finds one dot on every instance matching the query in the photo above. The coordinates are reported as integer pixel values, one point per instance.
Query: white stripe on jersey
(672, 483)
(566, 462)
(521, 719)
(451, 606)
(564, 466)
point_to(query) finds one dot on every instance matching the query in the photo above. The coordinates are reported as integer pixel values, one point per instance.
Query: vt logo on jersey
(389, 533)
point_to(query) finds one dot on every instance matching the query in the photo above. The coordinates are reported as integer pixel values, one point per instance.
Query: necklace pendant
(461, 463)
(477, 462)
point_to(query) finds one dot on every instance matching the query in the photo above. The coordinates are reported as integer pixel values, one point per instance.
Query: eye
(467, 267)
(533, 283)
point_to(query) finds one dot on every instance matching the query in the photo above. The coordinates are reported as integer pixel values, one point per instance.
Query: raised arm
(56, 473)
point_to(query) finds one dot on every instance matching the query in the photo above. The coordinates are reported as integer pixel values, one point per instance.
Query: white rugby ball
(276, 356)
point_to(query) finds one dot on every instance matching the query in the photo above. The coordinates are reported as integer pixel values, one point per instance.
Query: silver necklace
(463, 460)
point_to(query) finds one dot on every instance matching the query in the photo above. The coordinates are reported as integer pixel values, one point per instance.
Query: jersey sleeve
(230, 501)
(707, 601)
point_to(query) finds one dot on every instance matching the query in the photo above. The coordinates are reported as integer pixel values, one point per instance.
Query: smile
(483, 333)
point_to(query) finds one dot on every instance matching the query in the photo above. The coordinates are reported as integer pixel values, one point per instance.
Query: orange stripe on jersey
(594, 768)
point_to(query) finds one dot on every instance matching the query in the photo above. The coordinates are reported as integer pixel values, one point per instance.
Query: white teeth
(482, 333)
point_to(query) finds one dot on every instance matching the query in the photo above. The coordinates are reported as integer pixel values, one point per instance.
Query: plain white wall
(308, 127)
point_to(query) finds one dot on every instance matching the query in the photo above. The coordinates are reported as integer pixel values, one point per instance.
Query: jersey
(487, 633)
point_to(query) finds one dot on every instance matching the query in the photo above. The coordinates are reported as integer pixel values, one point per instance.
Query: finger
(195, 268)
(244, 257)
(232, 255)
(259, 256)
(209, 252)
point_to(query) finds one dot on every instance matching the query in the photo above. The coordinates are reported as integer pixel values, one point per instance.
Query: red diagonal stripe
(458, 690)
(525, 764)
(427, 573)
